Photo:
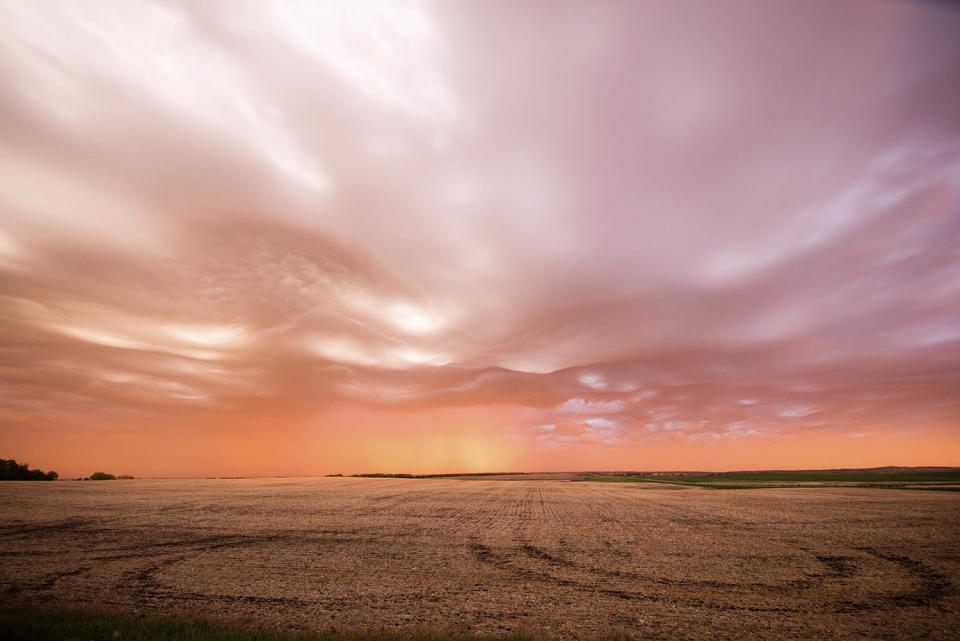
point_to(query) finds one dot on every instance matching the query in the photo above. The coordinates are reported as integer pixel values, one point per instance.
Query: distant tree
(13, 471)
(102, 476)
(125, 477)
(385, 475)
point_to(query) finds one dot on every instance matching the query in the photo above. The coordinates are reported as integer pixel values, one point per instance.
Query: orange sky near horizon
(358, 440)
(247, 238)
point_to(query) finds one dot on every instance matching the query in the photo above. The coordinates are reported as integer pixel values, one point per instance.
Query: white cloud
(605, 430)
(594, 381)
(583, 406)
(601, 423)
(796, 412)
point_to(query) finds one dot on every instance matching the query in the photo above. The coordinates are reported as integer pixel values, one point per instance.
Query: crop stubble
(552, 558)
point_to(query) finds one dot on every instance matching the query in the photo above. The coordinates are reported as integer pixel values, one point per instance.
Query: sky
(255, 238)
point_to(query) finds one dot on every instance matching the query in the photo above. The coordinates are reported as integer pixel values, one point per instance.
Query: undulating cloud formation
(307, 237)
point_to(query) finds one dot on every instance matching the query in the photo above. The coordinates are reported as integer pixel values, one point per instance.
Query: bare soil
(561, 560)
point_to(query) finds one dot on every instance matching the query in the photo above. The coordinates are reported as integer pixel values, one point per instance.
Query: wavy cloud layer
(599, 225)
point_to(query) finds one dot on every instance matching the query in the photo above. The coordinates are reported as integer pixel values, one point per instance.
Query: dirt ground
(563, 560)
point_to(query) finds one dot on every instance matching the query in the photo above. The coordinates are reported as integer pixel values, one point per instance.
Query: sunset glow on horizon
(295, 238)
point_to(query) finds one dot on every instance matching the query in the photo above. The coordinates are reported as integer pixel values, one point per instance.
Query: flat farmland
(553, 559)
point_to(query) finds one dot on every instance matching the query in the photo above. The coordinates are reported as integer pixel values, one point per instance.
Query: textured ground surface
(554, 558)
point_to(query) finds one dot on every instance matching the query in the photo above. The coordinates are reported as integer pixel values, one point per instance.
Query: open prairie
(557, 559)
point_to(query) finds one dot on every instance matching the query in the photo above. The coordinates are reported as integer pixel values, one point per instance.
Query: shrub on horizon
(102, 476)
(13, 471)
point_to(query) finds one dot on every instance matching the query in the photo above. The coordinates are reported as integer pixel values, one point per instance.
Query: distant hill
(890, 477)
(886, 470)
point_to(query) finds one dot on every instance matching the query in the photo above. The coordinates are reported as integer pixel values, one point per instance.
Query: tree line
(13, 471)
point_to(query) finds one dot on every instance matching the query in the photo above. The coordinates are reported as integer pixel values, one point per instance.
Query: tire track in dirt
(17, 531)
(143, 585)
(486, 555)
(51, 579)
(843, 567)
(933, 585)
(788, 586)
(507, 561)
(552, 559)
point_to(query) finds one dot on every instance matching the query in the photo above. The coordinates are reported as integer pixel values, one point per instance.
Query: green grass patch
(761, 480)
(35, 624)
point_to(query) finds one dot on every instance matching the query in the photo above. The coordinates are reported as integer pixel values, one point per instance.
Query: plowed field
(557, 559)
